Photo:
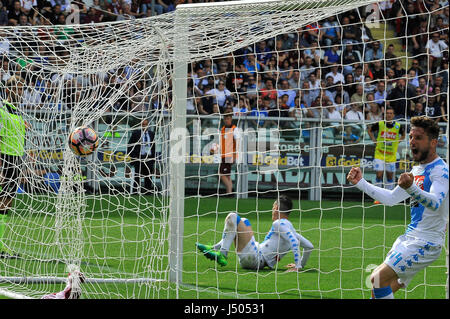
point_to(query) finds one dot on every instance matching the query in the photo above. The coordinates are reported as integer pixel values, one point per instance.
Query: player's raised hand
(405, 180)
(355, 175)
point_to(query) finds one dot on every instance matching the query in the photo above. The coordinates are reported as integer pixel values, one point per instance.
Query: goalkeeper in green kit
(12, 144)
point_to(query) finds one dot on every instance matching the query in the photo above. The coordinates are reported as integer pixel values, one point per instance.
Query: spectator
(380, 94)
(335, 75)
(374, 52)
(32, 95)
(374, 112)
(316, 109)
(15, 12)
(441, 99)
(283, 106)
(299, 111)
(219, 95)
(3, 16)
(314, 84)
(115, 7)
(286, 70)
(359, 76)
(307, 95)
(389, 56)
(5, 71)
(5, 44)
(358, 96)
(333, 114)
(442, 72)
(441, 28)
(295, 82)
(343, 94)
(367, 72)
(435, 50)
(416, 67)
(126, 13)
(93, 16)
(331, 56)
(399, 71)
(400, 99)
(417, 109)
(270, 92)
(147, 5)
(330, 87)
(261, 110)
(413, 79)
(340, 105)
(438, 83)
(271, 69)
(168, 5)
(363, 33)
(251, 64)
(369, 86)
(353, 131)
(242, 107)
(377, 70)
(332, 31)
(285, 89)
(65, 4)
(306, 69)
(314, 52)
(419, 39)
(263, 53)
(433, 108)
(350, 58)
(27, 5)
(390, 80)
(350, 85)
(349, 31)
(313, 32)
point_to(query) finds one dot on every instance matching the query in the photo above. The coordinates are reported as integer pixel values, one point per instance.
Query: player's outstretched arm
(307, 249)
(290, 236)
(384, 196)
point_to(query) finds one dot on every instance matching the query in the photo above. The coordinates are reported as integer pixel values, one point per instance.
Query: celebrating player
(427, 187)
(281, 239)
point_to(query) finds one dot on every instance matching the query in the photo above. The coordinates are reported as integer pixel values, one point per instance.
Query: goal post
(131, 230)
(186, 17)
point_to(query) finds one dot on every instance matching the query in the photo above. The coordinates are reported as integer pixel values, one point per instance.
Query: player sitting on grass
(281, 239)
(427, 188)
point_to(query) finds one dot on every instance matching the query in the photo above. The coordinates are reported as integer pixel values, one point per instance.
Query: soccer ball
(214, 148)
(83, 141)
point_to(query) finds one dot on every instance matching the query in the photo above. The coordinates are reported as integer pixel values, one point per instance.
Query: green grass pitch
(350, 238)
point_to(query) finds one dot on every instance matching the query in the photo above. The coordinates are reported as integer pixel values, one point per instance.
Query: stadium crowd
(334, 68)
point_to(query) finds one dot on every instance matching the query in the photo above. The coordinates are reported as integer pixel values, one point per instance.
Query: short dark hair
(284, 204)
(430, 127)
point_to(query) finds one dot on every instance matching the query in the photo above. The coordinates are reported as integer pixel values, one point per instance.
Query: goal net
(293, 74)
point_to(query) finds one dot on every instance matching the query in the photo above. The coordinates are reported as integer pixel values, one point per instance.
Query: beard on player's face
(420, 154)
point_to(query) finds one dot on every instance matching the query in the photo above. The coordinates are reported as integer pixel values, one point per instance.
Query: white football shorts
(250, 257)
(409, 255)
(380, 165)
